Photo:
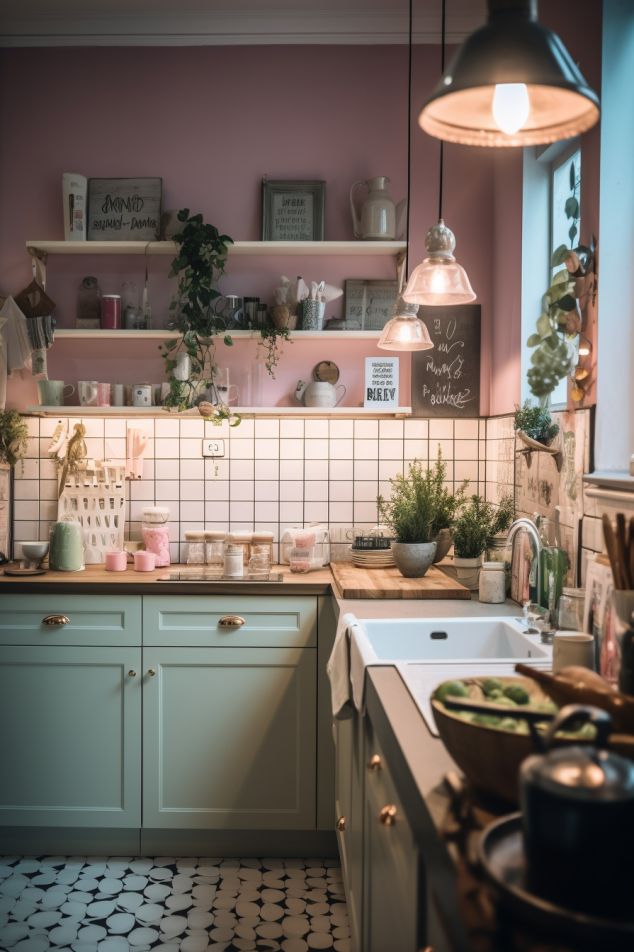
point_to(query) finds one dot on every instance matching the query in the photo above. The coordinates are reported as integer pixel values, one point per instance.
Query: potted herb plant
(535, 427)
(411, 513)
(503, 516)
(200, 261)
(471, 531)
(446, 503)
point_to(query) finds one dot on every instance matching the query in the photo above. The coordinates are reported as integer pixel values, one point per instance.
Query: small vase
(444, 541)
(468, 572)
(413, 558)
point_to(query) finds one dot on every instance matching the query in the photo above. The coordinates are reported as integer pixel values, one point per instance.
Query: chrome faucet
(529, 526)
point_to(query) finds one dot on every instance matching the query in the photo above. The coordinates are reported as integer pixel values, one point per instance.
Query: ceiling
(226, 22)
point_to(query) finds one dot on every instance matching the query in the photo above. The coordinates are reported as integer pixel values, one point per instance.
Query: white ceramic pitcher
(319, 393)
(379, 214)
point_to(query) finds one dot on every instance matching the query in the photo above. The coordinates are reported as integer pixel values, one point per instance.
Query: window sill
(617, 480)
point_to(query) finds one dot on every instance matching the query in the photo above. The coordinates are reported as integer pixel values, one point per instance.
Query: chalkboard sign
(446, 380)
(124, 209)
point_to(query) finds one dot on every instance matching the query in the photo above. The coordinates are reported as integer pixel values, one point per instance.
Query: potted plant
(411, 513)
(503, 516)
(471, 531)
(446, 503)
(199, 263)
(534, 426)
(13, 436)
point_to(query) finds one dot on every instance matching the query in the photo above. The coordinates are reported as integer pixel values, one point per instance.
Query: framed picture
(369, 304)
(293, 210)
(124, 209)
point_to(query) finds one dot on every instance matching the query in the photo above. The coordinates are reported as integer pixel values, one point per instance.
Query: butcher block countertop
(354, 582)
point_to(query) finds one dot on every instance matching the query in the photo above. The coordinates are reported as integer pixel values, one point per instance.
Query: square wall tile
(291, 512)
(291, 429)
(192, 489)
(366, 429)
(192, 469)
(164, 429)
(365, 491)
(365, 512)
(167, 489)
(441, 429)
(341, 429)
(167, 468)
(316, 511)
(466, 429)
(317, 469)
(466, 469)
(446, 448)
(168, 448)
(341, 449)
(340, 490)
(49, 489)
(341, 469)
(94, 427)
(217, 510)
(415, 449)
(316, 429)
(241, 490)
(241, 511)
(366, 449)
(193, 511)
(391, 430)
(416, 429)
(216, 469)
(316, 490)
(24, 509)
(217, 431)
(341, 512)
(266, 510)
(291, 469)
(267, 447)
(242, 469)
(267, 469)
(366, 469)
(242, 449)
(26, 489)
(47, 426)
(465, 449)
(266, 489)
(291, 448)
(192, 429)
(27, 469)
(316, 449)
(390, 449)
(217, 489)
(388, 469)
(142, 489)
(291, 490)
(267, 429)
(48, 469)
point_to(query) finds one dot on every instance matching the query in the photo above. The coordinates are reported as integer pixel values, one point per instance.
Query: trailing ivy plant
(560, 320)
(199, 263)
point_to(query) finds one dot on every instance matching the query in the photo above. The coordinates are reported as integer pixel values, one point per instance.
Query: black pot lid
(581, 773)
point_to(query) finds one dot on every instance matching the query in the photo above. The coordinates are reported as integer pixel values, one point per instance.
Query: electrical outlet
(213, 447)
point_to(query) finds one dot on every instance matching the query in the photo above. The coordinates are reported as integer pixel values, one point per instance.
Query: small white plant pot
(468, 572)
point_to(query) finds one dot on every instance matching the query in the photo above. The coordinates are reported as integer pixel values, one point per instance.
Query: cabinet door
(229, 738)
(70, 745)
(349, 811)
(54, 619)
(392, 875)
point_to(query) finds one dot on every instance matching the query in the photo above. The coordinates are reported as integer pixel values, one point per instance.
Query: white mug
(117, 394)
(87, 392)
(142, 395)
(573, 648)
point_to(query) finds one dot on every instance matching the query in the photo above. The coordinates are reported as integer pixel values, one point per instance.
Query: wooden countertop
(95, 580)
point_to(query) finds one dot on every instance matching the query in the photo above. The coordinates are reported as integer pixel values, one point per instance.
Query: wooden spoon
(621, 542)
(576, 685)
(613, 551)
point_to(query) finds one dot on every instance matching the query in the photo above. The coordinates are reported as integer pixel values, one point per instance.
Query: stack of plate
(372, 558)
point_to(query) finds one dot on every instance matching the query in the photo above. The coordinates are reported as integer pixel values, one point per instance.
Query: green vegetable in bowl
(492, 687)
(454, 688)
(516, 693)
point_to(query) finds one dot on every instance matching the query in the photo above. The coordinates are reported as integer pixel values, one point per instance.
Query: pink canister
(116, 561)
(111, 311)
(144, 561)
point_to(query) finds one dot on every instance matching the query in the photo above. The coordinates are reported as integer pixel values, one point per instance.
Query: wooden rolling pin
(577, 685)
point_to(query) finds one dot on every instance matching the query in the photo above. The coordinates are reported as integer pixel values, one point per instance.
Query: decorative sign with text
(293, 210)
(446, 380)
(381, 383)
(124, 209)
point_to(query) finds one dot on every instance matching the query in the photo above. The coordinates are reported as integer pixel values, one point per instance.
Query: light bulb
(438, 284)
(511, 107)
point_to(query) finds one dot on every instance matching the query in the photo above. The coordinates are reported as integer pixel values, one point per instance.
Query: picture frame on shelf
(124, 209)
(293, 210)
(369, 304)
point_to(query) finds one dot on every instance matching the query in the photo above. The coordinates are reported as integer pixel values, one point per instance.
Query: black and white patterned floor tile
(119, 904)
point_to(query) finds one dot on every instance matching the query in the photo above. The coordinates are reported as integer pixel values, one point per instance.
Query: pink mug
(103, 394)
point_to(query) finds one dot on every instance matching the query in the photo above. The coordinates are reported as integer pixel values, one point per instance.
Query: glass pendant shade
(439, 279)
(511, 83)
(405, 331)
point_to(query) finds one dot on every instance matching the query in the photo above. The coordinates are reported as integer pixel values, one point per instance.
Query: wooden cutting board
(355, 582)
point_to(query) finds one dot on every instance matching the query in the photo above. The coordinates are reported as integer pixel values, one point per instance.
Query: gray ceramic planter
(444, 541)
(413, 558)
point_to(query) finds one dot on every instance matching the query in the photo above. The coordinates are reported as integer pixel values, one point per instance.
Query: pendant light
(439, 279)
(405, 331)
(511, 83)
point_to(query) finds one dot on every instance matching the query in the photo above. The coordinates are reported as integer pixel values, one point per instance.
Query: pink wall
(211, 121)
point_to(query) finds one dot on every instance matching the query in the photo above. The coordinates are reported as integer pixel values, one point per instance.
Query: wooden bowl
(489, 757)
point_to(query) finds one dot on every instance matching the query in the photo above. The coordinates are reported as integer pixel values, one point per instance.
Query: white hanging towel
(16, 337)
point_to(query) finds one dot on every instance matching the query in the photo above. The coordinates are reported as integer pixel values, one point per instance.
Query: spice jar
(214, 548)
(570, 609)
(233, 560)
(195, 539)
(492, 583)
(243, 539)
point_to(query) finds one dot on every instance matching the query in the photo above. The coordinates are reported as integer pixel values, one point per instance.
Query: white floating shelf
(324, 412)
(73, 333)
(368, 248)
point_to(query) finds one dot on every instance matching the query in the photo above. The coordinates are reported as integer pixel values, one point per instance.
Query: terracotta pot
(413, 558)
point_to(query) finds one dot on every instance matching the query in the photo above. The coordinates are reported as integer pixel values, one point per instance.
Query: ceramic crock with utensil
(578, 819)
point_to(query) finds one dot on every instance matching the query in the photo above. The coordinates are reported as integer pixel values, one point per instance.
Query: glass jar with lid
(570, 609)
(261, 554)
(156, 533)
(195, 539)
(215, 548)
(492, 583)
(243, 539)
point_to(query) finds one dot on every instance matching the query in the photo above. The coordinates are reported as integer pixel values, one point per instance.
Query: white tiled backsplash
(276, 472)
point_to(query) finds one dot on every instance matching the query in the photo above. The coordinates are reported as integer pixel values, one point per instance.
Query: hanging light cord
(442, 72)
(409, 136)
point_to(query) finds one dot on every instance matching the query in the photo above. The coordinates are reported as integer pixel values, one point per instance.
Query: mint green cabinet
(349, 813)
(229, 738)
(52, 620)
(70, 745)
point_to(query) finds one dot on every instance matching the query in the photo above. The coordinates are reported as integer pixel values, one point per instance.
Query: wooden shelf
(315, 248)
(73, 333)
(322, 412)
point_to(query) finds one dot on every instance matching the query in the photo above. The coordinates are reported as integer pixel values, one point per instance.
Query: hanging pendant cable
(442, 72)
(409, 136)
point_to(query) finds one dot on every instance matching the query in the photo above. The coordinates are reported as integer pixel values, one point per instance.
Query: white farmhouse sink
(427, 651)
(447, 639)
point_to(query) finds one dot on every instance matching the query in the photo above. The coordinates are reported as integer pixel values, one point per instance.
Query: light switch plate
(213, 447)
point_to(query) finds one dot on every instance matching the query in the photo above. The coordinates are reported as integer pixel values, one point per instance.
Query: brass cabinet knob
(231, 621)
(341, 824)
(131, 673)
(387, 816)
(56, 621)
(151, 672)
(374, 763)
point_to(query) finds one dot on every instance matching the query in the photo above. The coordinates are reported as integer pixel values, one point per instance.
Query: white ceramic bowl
(34, 551)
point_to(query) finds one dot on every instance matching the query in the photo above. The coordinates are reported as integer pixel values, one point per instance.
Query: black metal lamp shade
(511, 50)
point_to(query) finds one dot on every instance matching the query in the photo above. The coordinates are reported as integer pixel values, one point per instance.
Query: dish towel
(338, 669)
